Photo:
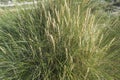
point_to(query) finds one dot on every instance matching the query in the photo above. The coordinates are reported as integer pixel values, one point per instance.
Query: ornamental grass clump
(59, 40)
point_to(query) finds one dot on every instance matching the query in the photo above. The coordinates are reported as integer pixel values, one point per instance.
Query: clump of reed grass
(58, 40)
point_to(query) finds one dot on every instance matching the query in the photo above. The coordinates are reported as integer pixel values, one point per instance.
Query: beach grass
(60, 40)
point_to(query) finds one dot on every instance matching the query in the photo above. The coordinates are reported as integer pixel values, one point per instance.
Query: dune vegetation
(59, 40)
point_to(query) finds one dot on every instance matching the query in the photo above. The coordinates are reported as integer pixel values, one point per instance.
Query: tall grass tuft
(60, 40)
